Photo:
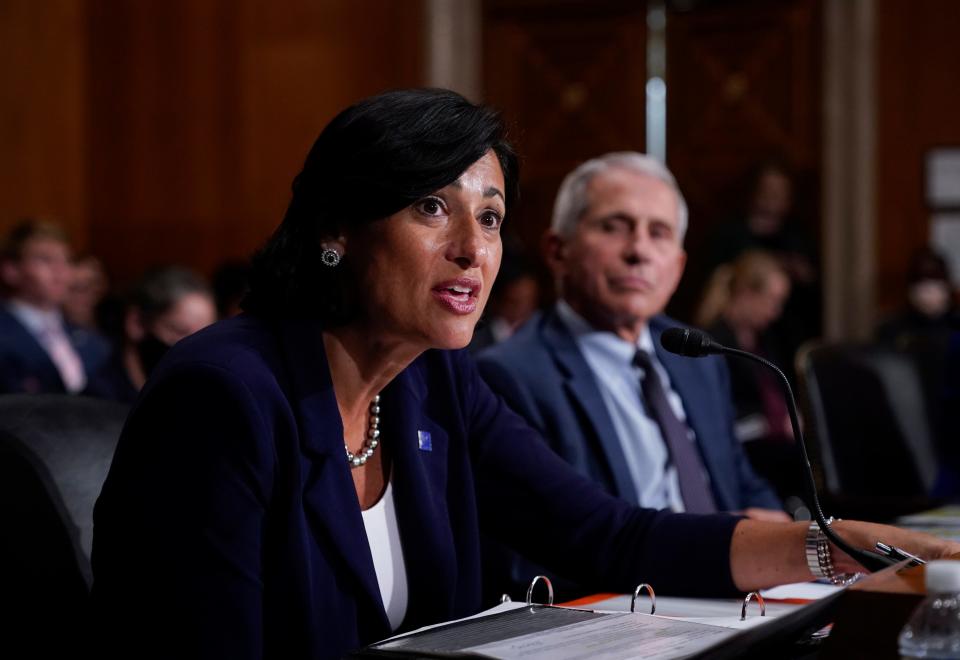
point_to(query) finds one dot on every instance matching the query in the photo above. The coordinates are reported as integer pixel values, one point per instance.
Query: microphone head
(688, 342)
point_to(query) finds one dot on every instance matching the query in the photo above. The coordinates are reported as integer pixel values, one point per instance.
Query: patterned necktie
(63, 356)
(686, 459)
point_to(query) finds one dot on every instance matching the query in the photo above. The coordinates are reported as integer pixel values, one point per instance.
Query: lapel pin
(423, 438)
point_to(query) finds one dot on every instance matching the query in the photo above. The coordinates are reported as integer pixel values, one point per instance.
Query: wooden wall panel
(743, 86)
(42, 111)
(202, 112)
(569, 77)
(918, 93)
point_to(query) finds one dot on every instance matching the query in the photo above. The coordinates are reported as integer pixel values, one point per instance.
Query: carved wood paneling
(743, 86)
(569, 77)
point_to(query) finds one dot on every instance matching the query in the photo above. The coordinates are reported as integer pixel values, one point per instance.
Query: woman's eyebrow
(493, 191)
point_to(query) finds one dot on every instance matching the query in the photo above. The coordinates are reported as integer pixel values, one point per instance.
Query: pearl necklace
(372, 440)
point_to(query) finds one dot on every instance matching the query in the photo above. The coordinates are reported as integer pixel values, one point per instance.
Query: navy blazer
(25, 366)
(229, 525)
(542, 374)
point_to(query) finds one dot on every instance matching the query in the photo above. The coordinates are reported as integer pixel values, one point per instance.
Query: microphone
(689, 342)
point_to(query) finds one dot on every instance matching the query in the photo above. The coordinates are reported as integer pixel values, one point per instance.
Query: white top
(644, 450)
(383, 535)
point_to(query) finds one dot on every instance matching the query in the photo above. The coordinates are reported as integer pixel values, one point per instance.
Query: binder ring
(533, 583)
(653, 597)
(763, 607)
(505, 598)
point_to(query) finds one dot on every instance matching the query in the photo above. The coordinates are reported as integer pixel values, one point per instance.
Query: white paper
(613, 637)
(945, 238)
(801, 591)
(943, 177)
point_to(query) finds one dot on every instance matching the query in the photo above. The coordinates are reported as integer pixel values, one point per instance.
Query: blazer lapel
(329, 496)
(581, 386)
(420, 491)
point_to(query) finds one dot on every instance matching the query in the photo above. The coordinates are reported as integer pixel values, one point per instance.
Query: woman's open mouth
(460, 296)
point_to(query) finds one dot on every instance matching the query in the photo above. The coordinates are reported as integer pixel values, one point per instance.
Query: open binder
(537, 632)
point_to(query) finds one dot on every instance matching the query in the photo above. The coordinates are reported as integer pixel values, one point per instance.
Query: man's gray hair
(572, 200)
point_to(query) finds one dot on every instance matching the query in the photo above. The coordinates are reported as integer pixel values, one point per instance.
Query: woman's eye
(430, 206)
(491, 220)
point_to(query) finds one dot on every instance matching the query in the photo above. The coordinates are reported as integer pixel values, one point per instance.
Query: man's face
(42, 274)
(624, 259)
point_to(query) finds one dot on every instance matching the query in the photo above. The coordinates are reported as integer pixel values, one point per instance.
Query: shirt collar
(35, 319)
(604, 340)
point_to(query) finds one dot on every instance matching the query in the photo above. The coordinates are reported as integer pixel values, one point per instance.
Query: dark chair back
(55, 451)
(868, 414)
(68, 441)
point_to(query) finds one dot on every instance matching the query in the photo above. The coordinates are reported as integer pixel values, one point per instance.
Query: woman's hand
(865, 535)
(765, 554)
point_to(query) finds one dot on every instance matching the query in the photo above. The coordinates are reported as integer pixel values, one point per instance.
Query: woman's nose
(467, 247)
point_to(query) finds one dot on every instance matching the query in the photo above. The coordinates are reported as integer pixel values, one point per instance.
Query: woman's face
(424, 273)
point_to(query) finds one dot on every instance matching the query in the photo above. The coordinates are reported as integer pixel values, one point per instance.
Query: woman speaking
(315, 474)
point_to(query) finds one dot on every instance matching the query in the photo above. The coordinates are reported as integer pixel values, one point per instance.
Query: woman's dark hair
(373, 159)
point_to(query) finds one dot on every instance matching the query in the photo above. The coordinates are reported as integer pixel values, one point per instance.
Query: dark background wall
(164, 130)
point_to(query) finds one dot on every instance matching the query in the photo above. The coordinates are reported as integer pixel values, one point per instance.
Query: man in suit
(653, 428)
(39, 350)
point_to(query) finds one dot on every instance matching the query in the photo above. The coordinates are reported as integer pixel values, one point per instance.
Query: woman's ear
(331, 252)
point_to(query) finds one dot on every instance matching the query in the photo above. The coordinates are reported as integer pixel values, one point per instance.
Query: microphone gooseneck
(694, 343)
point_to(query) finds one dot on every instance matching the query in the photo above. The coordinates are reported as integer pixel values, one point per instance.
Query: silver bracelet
(820, 557)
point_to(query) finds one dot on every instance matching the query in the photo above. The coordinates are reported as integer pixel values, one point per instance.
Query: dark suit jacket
(25, 366)
(229, 525)
(542, 374)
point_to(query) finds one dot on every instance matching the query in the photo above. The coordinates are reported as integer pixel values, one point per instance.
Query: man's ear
(681, 265)
(554, 249)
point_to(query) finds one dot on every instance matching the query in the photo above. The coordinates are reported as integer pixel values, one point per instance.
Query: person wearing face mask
(168, 304)
(930, 313)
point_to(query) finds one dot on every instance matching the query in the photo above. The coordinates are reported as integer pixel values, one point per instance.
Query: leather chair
(55, 451)
(867, 411)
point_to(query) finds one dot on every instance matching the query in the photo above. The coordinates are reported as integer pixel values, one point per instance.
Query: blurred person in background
(924, 327)
(742, 300)
(231, 281)
(168, 304)
(88, 286)
(930, 311)
(40, 350)
(768, 223)
(514, 298)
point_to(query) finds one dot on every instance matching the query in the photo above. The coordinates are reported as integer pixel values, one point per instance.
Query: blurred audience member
(930, 311)
(514, 299)
(741, 302)
(88, 286)
(767, 224)
(167, 305)
(41, 351)
(923, 328)
(230, 285)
